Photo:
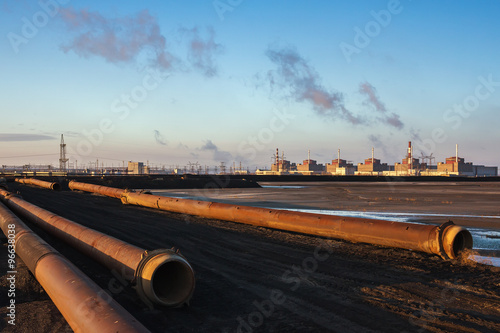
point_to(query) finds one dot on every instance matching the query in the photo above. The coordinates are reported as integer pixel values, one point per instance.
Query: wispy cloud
(116, 39)
(415, 134)
(209, 145)
(295, 76)
(373, 100)
(217, 154)
(377, 142)
(129, 38)
(159, 138)
(201, 52)
(12, 137)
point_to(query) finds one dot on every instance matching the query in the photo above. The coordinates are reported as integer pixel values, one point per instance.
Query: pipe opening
(462, 241)
(173, 282)
(456, 240)
(56, 186)
(166, 278)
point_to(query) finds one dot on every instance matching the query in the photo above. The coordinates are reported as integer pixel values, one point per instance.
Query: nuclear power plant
(409, 166)
(372, 166)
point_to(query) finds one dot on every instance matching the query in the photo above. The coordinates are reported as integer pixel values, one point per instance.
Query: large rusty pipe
(84, 305)
(99, 189)
(162, 276)
(447, 240)
(37, 182)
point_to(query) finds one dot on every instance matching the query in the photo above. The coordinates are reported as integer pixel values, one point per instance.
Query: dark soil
(252, 279)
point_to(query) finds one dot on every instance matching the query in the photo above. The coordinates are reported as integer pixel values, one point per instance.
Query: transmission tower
(222, 168)
(63, 161)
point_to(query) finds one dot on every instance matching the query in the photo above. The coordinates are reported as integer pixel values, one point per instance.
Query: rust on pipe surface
(162, 276)
(84, 305)
(447, 240)
(104, 190)
(32, 181)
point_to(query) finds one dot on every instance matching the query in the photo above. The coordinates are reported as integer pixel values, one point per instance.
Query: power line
(28, 155)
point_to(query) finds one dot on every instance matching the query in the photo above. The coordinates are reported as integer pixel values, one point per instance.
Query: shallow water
(282, 186)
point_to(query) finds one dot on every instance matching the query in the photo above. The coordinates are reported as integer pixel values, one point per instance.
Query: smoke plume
(160, 139)
(116, 40)
(217, 155)
(125, 39)
(201, 52)
(12, 137)
(372, 99)
(294, 75)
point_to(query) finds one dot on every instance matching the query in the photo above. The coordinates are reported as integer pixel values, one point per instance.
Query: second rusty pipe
(41, 183)
(162, 276)
(84, 305)
(103, 190)
(447, 240)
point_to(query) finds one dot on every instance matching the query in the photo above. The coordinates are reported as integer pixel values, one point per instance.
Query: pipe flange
(440, 230)
(164, 277)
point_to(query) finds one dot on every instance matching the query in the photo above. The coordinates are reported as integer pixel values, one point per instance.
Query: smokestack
(456, 153)
(338, 161)
(277, 159)
(373, 155)
(308, 156)
(410, 155)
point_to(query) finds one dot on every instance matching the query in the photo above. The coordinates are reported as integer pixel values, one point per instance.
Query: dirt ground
(252, 279)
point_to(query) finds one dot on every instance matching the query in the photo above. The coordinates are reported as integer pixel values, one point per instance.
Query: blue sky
(209, 81)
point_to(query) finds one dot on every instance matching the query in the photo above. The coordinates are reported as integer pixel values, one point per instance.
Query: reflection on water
(492, 261)
(397, 217)
(282, 186)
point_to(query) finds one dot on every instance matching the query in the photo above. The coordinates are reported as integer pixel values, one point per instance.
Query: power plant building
(409, 166)
(340, 167)
(372, 167)
(310, 166)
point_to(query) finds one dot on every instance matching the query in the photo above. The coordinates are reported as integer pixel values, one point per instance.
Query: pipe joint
(164, 277)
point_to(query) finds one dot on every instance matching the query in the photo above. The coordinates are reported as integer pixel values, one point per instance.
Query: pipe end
(165, 277)
(456, 240)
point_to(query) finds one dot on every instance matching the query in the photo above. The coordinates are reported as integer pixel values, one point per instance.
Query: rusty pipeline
(161, 276)
(99, 189)
(447, 240)
(84, 305)
(37, 182)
